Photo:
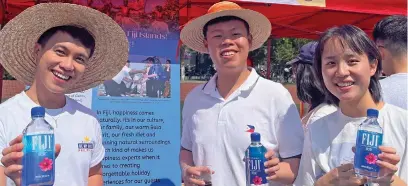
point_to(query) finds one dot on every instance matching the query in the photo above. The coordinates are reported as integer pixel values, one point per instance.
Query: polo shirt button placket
(222, 117)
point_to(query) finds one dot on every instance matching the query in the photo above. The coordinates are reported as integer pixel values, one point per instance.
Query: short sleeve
(98, 152)
(3, 141)
(187, 120)
(288, 127)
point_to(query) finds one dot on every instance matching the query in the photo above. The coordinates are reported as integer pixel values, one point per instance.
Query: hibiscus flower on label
(371, 158)
(46, 164)
(257, 180)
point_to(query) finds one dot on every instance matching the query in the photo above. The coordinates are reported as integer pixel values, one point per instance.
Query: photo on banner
(139, 108)
(141, 77)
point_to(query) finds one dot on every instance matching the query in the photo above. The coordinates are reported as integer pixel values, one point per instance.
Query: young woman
(348, 64)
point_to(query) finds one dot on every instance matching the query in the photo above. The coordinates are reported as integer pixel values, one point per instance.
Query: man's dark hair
(151, 59)
(80, 34)
(309, 89)
(223, 19)
(358, 41)
(393, 31)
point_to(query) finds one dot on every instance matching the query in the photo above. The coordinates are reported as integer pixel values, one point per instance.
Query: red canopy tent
(287, 20)
(308, 21)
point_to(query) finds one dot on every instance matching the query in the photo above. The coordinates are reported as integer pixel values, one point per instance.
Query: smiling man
(219, 115)
(61, 55)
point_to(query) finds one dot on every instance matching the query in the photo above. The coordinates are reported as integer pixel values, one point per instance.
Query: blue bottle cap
(37, 112)
(255, 136)
(372, 113)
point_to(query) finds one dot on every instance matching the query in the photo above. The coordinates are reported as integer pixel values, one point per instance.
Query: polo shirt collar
(210, 87)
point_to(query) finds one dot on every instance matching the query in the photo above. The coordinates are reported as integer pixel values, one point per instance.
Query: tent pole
(3, 12)
(1, 82)
(268, 65)
(2, 21)
(188, 9)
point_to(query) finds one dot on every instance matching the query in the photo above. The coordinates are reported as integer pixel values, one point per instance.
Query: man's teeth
(60, 75)
(345, 84)
(228, 53)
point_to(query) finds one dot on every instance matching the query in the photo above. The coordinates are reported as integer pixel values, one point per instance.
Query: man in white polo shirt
(62, 55)
(219, 115)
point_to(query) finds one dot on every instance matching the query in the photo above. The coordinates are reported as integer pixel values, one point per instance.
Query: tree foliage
(282, 51)
(259, 56)
(6, 75)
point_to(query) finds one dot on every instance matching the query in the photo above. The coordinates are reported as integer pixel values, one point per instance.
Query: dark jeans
(152, 86)
(114, 89)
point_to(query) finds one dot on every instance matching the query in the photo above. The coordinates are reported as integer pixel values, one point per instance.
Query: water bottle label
(257, 171)
(367, 150)
(38, 159)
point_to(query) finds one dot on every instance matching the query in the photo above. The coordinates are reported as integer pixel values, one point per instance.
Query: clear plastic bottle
(369, 138)
(39, 151)
(254, 162)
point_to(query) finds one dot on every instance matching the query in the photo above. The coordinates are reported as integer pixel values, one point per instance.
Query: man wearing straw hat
(219, 115)
(58, 49)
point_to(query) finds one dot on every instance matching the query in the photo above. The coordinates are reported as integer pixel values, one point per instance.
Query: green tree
(284, 50)
(7, 76)
(259, 56)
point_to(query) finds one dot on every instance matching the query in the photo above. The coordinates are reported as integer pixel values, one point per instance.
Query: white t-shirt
(217, 131)
(330, 136)
(395, 90)
(122, 74)
(74, 123)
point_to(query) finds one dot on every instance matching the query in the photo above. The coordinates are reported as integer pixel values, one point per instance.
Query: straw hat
(18, 38)
(259, 25)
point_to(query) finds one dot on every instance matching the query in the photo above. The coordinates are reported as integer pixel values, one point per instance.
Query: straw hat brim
(259, 27)
(19, 35)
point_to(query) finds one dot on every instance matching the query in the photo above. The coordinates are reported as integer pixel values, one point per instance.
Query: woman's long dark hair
(309, 89)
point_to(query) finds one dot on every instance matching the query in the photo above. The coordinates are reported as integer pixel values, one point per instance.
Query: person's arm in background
(136, 71)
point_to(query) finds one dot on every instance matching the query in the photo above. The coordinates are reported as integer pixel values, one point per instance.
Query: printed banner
(139, 109)
(318, 3)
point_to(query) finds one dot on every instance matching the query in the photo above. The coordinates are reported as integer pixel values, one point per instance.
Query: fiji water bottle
(39, 151)
(254, 162)
(369, 137)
